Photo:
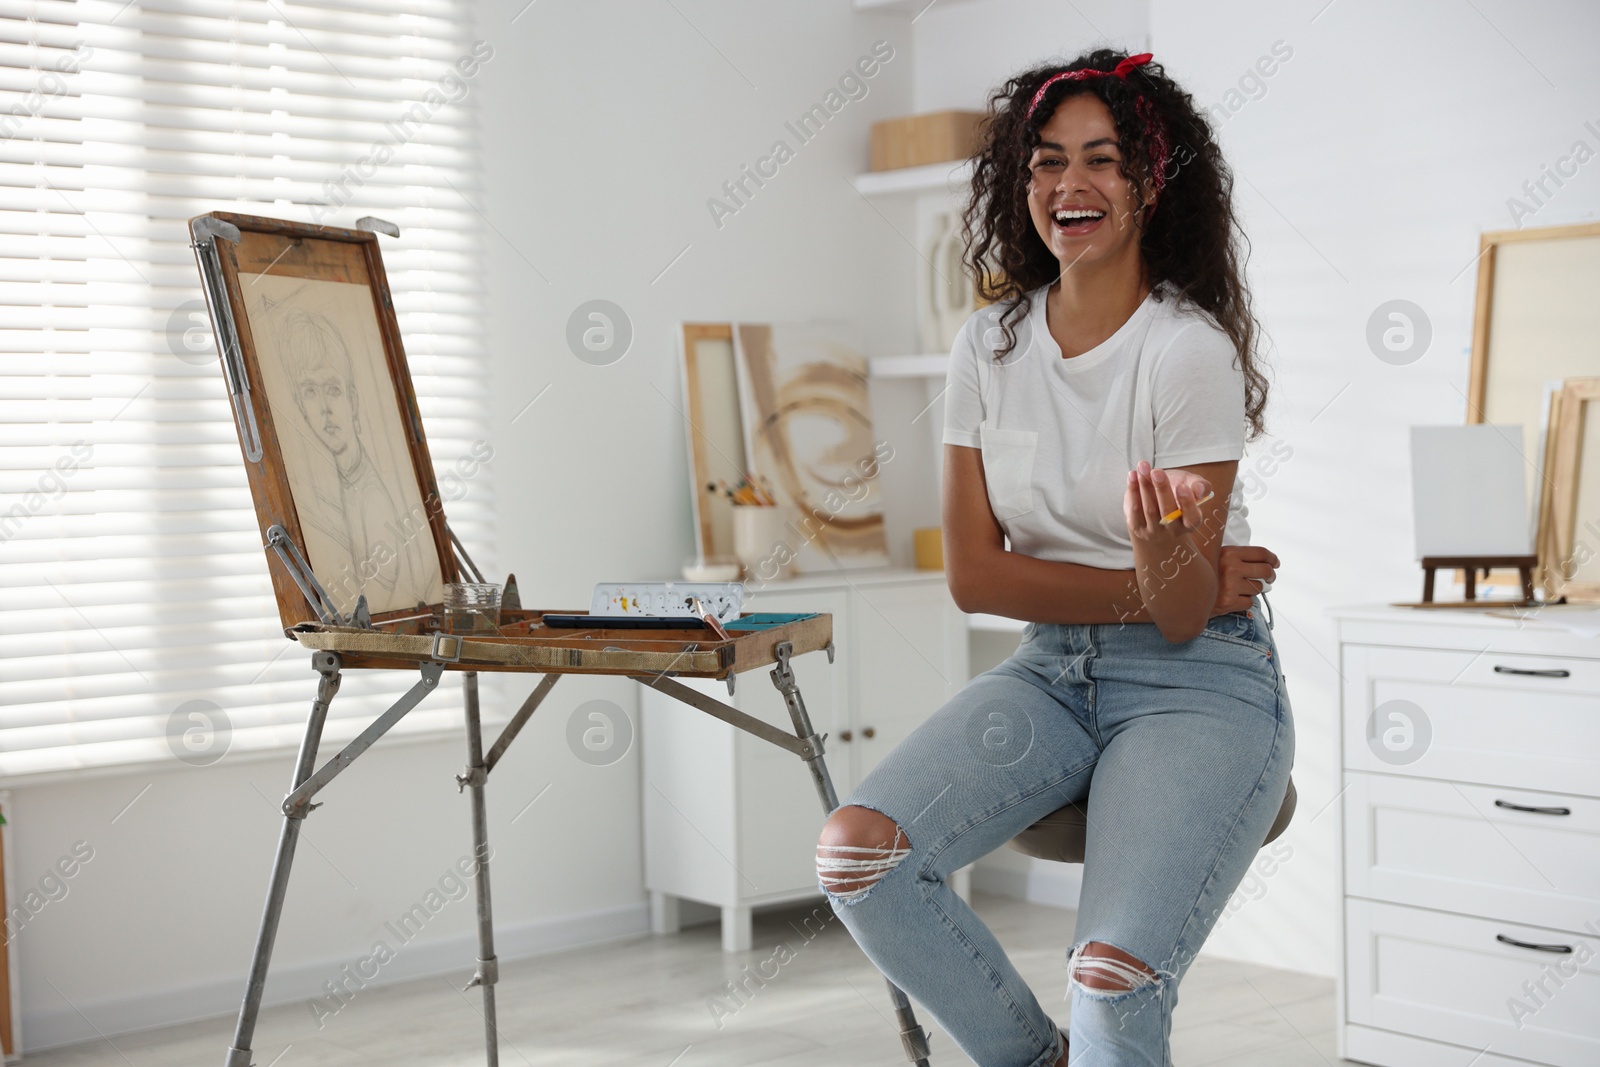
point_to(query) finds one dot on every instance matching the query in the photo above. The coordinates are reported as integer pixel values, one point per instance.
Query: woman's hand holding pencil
(1162, 504)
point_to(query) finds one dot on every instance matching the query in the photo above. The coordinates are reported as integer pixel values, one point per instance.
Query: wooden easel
(1472, 565)
(411, 637)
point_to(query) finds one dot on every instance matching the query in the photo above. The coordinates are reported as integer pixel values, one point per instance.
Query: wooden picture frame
(715, 431)
(1535, 320)
(1573, 495)
(317, 350)
(1544, 532)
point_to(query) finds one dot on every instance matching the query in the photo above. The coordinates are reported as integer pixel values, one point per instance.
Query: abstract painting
(808, 432)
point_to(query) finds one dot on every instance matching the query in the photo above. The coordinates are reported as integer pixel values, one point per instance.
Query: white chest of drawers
(1469, 837)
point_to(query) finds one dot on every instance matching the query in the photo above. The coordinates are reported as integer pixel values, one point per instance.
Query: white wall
(1365, 170)
(604, 147)
(964, 51)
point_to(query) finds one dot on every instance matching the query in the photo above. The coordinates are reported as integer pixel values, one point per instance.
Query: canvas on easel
(320, 353)
(329, 422)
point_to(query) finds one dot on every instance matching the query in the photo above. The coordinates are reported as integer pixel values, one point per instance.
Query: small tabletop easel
(333, 446)
(1472, 565)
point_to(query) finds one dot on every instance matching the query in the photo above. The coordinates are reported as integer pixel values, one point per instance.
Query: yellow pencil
(1176, 513)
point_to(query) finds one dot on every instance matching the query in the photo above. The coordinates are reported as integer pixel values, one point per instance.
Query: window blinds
(137, 621)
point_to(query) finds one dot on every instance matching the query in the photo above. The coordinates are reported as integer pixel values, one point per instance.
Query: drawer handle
(845, 735)
(1535, 810)
(1558, 949)
(1548, 672)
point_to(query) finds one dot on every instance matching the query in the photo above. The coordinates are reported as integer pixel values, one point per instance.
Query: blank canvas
(1468, 490)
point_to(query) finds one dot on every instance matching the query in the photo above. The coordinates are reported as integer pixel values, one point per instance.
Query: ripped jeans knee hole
(1108, 977)
(849, 872)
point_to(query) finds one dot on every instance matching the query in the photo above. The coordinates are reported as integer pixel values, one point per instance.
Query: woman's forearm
(1177, 584)
(1037, 590)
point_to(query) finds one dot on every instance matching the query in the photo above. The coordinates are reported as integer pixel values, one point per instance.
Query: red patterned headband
(1153, 130)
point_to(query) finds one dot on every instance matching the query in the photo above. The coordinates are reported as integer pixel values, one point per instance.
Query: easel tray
(524, 643)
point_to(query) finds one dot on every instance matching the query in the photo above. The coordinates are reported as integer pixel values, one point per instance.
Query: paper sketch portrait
(344, 448)
(808, 431)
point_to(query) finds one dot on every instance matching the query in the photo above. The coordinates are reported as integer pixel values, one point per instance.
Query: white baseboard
(1041, 882)
(63, 1025)
(1366, 1044)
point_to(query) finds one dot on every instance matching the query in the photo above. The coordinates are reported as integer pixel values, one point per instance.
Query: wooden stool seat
(1060, 835)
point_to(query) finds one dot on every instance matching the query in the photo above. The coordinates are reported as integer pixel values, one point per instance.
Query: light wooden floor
(645, 1003)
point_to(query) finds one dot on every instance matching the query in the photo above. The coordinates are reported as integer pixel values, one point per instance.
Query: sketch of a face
(343, 443)
(324, 386)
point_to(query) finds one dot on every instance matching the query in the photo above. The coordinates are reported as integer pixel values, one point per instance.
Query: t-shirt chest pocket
(1008, 469)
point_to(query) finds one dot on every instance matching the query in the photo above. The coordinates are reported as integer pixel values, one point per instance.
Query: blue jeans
(1182, 753)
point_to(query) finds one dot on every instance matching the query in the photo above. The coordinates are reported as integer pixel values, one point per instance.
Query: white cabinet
(1469, 840)
(732, 821)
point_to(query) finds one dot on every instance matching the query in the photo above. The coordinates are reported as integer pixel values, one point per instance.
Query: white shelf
(998, 623)
(902, 7)
(932, 365)
(909, 181)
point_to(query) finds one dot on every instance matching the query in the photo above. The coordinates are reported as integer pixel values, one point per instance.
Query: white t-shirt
(1059, 436)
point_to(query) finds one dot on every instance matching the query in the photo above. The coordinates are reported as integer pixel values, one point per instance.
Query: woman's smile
(1074, 221)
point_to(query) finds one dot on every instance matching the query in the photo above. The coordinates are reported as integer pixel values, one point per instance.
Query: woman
(1095, 416)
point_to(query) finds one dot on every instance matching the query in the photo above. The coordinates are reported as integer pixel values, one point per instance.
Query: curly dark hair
(1192, 241)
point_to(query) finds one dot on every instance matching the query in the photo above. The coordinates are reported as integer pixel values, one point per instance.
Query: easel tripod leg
(475, 778)
(912, 1037)
(326, 664)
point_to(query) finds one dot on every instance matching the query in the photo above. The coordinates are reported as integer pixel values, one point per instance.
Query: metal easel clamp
(473, 776)
(206, 228)
(488, 973)
(915, 1043)
(372, 225)
(782, 676)
(299, 811)
(437, 651)
(829, 649)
